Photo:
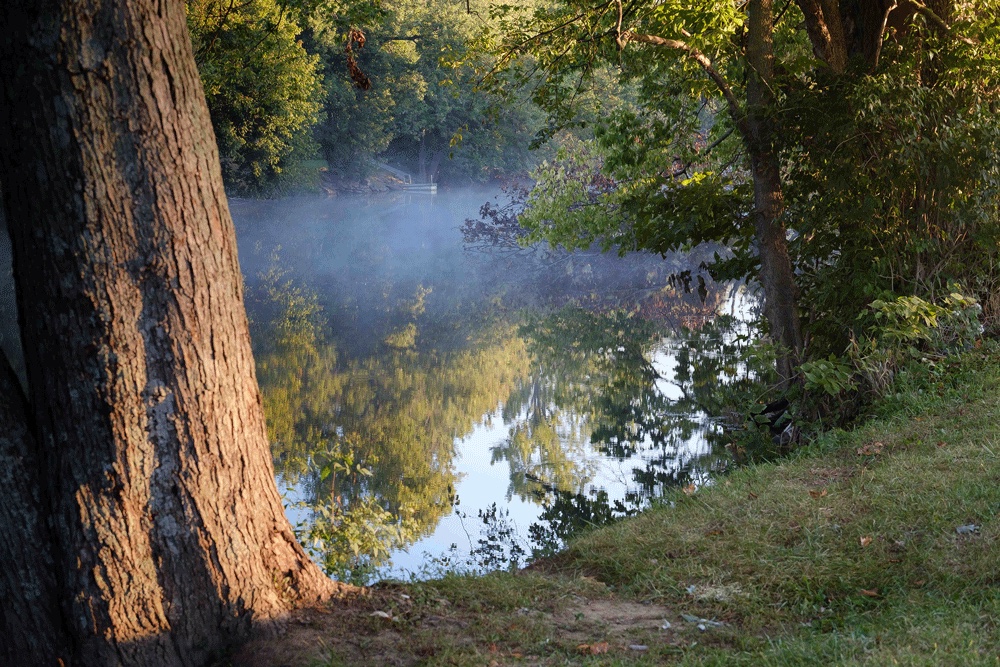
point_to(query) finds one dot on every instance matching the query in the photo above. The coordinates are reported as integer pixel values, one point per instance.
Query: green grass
(844, 554)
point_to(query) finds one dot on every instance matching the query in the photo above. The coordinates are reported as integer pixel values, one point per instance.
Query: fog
(382, 341)
(367, 258)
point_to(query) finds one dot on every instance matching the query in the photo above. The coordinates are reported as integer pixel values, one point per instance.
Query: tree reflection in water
(367, 444)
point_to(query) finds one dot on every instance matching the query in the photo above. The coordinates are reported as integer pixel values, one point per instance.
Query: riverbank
(875, 546)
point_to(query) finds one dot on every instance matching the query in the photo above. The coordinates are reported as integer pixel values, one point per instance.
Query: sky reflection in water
(401, 373)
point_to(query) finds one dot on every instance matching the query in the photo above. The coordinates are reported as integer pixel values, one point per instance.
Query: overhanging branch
(932, 16)
(706, 64)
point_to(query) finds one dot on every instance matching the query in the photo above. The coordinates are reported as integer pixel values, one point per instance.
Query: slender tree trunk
(170, 538)
(432, 172)
(776, 276)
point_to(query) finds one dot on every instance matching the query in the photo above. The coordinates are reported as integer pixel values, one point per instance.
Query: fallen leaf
(941, 443)
(752, 496)
(865, 541)
(895, 560)
(919, 582)
(871, 448)
(593, 649)
(872, 593)
(818, 494)
(713, 532)
(689, 489)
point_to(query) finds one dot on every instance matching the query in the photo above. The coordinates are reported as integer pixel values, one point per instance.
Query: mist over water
(430, 405)
(421, 396)
(366, 256)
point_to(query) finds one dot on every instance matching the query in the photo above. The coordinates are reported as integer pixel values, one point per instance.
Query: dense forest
(311, 89)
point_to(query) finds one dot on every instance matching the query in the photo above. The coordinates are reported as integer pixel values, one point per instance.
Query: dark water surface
(434, 406)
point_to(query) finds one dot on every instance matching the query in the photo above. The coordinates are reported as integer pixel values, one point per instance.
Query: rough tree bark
(170, 541)
(29, 617)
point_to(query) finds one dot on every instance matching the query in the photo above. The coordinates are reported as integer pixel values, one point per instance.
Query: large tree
(708, 71)
(145, 486)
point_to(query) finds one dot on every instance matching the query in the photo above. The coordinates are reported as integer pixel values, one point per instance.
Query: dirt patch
(374, 629)
(386, 627)
(609, 620)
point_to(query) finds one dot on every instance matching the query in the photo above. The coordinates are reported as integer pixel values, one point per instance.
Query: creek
(433, 408)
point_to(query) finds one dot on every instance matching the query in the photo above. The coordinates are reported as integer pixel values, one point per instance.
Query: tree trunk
(435, 167)
(170, 538)
(776, 276)
(30, 622)
(841, 30)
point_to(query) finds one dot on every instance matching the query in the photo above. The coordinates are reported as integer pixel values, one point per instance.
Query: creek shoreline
(871, 546)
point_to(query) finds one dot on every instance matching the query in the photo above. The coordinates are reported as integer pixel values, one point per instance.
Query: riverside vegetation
(873, 545)
(867, 546)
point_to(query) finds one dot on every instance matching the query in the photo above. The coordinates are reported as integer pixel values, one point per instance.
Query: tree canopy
(852, 144)
(293, 85)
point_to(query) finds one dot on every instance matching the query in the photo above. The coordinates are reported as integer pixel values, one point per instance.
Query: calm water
(434, 406)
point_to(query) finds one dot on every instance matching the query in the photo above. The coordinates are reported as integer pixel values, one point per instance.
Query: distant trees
(263, 89)
(346, 81)
(423, 109)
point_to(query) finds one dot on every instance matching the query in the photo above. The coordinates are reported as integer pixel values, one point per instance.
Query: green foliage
(617, 200)
(892, 179)
(889, 176)
(906, 330)
(664, 171)
(423, 110)
(262, 87)
(344, 79)
(832, 375)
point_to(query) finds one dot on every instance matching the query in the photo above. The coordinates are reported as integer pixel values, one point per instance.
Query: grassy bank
(876, 546)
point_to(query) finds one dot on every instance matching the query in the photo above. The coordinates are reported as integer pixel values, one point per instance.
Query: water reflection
(402, 403)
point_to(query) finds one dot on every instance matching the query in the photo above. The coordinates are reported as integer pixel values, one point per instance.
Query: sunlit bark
(170, 537)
